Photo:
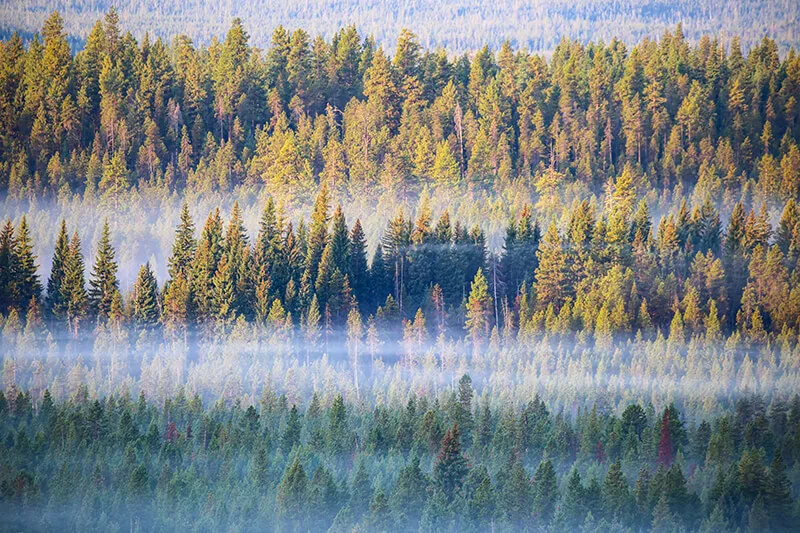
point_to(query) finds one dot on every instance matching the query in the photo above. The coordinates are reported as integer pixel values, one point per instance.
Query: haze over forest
(338, 278)
(457, 25)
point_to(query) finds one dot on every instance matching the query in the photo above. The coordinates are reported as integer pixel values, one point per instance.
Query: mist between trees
(606, 242)
(595, 307)
(433, 463)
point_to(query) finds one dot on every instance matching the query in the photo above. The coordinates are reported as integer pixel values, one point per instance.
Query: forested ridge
(377, 240)
(454, 465)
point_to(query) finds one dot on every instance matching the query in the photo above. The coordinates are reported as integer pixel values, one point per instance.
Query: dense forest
(427, 465)
(412, 290)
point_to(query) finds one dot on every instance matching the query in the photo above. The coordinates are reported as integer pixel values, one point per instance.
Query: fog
(703, 378)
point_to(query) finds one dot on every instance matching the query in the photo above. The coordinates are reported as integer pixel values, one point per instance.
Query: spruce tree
(318, 232)
(7, 267)
(237, 250)
(550, 274)
(357, 269)
(323, 286)
(479, 310)
(778, 497)
(222, 294)
(73, 287)
(26, 279)
(545, 492)
(184, 246)
(54, 302)
(291, 498)
(268, 250)
(103, 282)
(450, 468)
(340, 241)
(144, 305)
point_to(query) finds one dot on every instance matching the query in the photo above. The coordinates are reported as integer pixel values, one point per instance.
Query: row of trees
(607, 272)
(426, 465)
(121, 114)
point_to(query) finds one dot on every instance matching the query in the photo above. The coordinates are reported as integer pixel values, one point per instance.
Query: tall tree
(479, 310)
(144, 304)
(450, 468)
(550, 274)
(103, 283)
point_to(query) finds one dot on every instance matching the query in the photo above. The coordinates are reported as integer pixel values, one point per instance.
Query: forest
(359, 289)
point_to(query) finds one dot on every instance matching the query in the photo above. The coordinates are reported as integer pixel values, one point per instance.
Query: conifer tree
(778, 497)
(515, 501)
(184, 246)
(144, 305)
(73, 287)
(479, 310)
(26, 279)
(177, 305)
(340, 242)
(616, 494)
(268, 252)
(318, 232)
(323, 286)
(550, 274)
(103, 282)
(545, 492)
(7, 267)
(55, 304)
(222, 295)
(355, 332)
(451, 466)
(292, 495)
(357, 270)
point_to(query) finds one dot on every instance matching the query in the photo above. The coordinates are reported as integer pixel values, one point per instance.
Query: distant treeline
(456, 465)
(456, 25)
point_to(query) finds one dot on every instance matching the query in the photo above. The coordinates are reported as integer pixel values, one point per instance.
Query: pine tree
(479, 310)
(340, 242)
(515, 501)
(26, 279)
(222, 295)
(7, 267)
(616, 495)
(358, 272)
(103, 282)
(237, 250)
(291, 435)
(177, 305)
(312, 328)
(550, 274)
(73, 287)
(572, 504)
(55, 304)
(665, 445)
(144, 305)
(184, 246)
(778, 497)
(210, 251)
(291, 498)
(269, 254)
(318, 232)
(409, 494)
(355, 331)
(545, 492)
(451, 466)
